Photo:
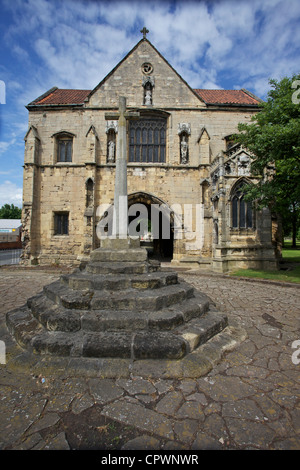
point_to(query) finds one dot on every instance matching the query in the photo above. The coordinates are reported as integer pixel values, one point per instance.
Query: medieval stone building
(180, 154)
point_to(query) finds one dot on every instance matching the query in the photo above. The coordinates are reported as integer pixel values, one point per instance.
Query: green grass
(291, 258)
(291, 254)
(284, 276)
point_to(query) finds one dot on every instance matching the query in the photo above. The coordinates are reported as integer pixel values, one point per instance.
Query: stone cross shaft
(120, 218)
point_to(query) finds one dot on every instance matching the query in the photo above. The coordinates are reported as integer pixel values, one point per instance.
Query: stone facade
(69, 167)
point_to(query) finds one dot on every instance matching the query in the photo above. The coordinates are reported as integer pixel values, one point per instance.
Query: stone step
(165, 319)
(139, 300)
(200, 330)
(23, 326)
(141, 344)
(57, 318)
(31, 336)
(54, 317)
(68, 298)
(128, 299)
(86, 280)
(119, 255)
(119, 268)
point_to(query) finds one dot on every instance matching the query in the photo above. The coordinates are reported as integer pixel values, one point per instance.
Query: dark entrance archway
(157, 232)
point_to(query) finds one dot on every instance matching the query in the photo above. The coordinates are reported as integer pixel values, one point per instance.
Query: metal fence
(10, 257)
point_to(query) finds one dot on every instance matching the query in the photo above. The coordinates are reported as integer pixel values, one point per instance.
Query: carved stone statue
(184, 150)
(111, 151)
(243, 165)
(148, 97)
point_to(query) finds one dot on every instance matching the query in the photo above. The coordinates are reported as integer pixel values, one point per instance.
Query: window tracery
(64, 147)
(242, 214)
(147, 140)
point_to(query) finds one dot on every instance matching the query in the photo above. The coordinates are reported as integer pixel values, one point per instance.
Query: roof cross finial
(144, 31)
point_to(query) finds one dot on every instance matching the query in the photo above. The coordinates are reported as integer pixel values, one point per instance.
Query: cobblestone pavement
(250, 400)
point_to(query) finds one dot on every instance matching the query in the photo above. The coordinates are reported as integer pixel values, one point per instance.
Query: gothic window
(64, 147)
(241, 210)
(147, 140)
(61, 223)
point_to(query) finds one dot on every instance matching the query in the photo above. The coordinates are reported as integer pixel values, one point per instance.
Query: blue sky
(229, 44)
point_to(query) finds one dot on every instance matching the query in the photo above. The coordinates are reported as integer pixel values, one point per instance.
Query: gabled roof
(58, 96)
(70, 97)
(128, 55)
(242, 97)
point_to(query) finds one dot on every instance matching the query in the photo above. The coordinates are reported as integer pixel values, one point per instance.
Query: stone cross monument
(120, 220)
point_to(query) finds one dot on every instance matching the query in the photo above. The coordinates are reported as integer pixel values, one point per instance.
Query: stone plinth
(119, 305)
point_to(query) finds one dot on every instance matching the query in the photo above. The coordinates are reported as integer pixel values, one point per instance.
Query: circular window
(147, 68)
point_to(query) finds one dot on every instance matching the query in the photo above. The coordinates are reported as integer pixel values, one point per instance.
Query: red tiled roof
(63, 96)
(57, 96)
(226, 97)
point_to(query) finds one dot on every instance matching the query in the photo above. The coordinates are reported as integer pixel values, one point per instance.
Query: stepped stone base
(119, 305)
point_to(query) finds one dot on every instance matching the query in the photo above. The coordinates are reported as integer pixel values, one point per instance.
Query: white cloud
(10, 193)
(76, 43)
(80, 42)
(4, 146)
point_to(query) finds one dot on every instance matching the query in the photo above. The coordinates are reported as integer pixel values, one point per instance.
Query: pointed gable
(144, 64)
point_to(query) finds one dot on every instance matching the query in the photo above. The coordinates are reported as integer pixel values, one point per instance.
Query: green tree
(10, 212)
(273, 138)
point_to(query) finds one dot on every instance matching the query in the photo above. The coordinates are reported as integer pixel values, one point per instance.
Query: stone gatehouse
(180, 154)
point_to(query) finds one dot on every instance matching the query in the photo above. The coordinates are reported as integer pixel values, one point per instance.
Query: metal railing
(10, 257)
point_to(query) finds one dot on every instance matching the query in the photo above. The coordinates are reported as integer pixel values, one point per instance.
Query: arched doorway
(152, 219)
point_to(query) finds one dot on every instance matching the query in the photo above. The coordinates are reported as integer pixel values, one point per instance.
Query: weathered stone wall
(54, 187)
(51, 186)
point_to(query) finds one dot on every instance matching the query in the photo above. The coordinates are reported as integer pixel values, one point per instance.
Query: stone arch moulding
(92, 130)
(32, 145)
(62, 135)
(89, 188)
(242, 213)
(204, 147)
(63, 132)
(140, 196)
(92, 140)
(239, 182)
(34, 131)
(160, 239)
